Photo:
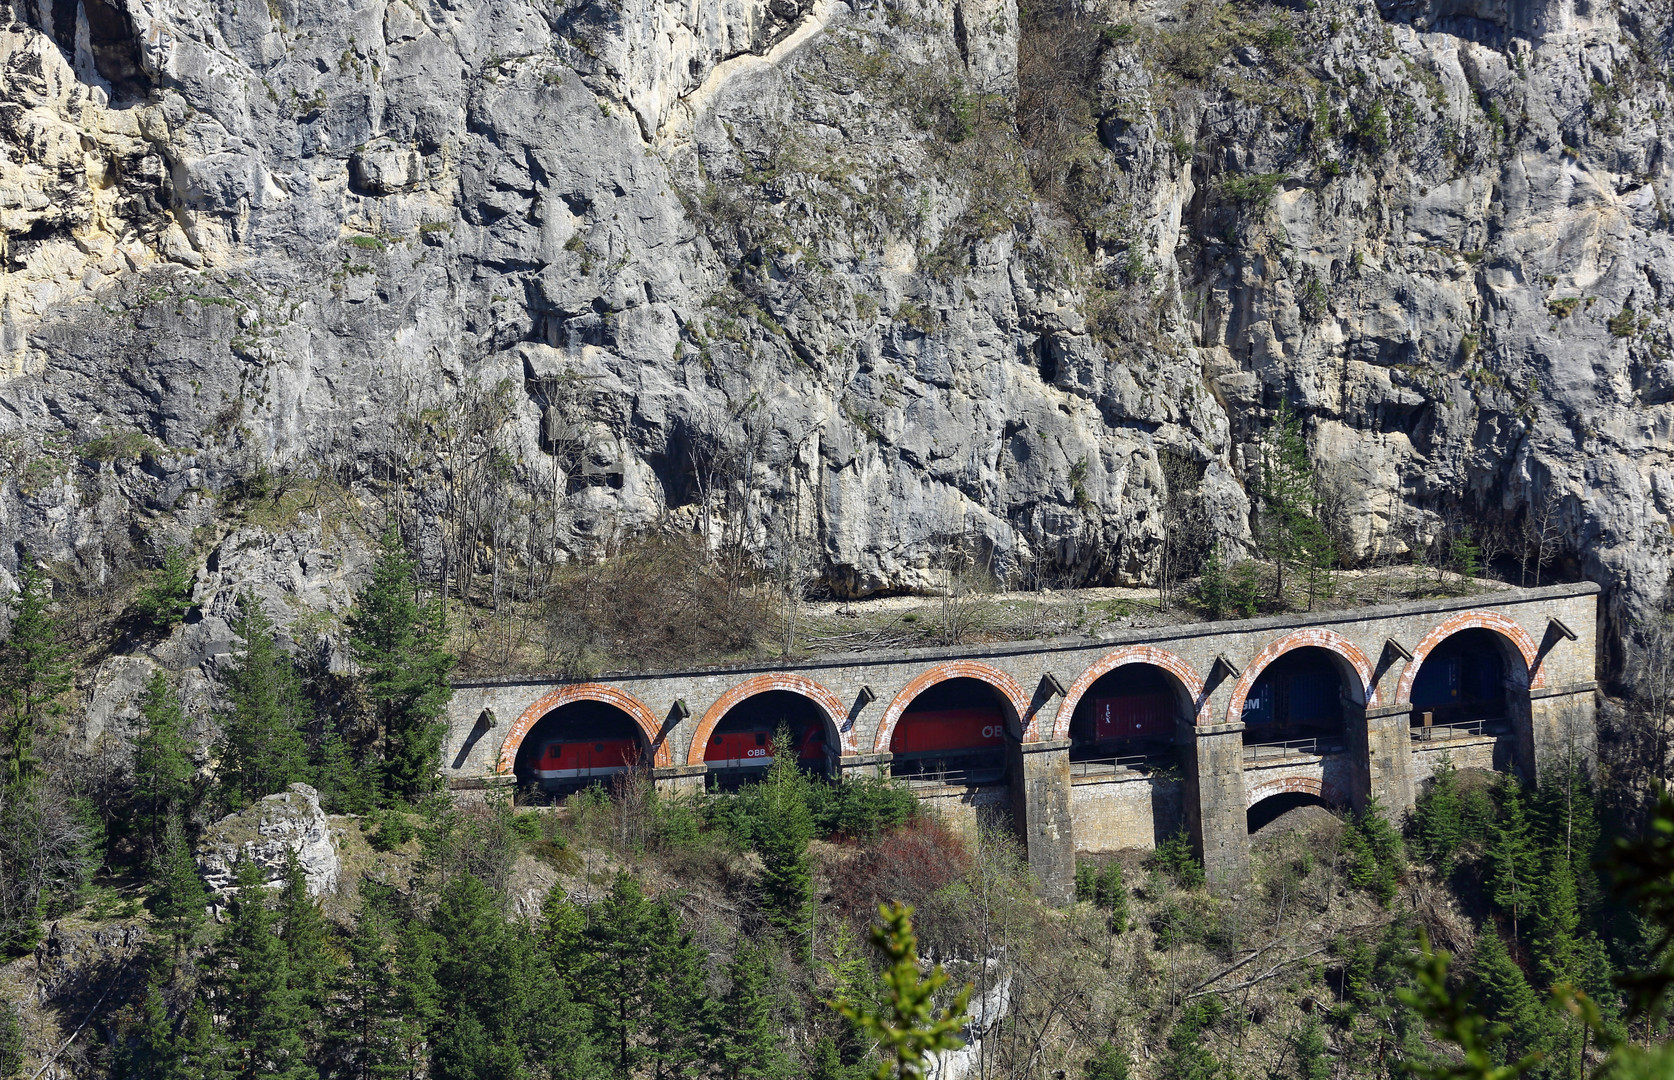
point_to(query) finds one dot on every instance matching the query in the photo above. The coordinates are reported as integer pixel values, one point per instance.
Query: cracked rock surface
(847, 278)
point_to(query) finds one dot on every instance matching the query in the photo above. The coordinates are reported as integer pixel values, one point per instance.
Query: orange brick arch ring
(1182, 673)
(1347, 651)
(565, 695)
(1530, 677)
(830, 704)
(1295, 785)
(1016, 702)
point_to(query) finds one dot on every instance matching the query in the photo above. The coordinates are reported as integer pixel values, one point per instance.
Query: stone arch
(564, 695)
(1130, 654)
(1294, 785)
(1016, 701)
(1533, 677)
(829, 703)
(1329, 640)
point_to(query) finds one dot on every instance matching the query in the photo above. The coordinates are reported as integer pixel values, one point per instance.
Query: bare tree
(1542, 534)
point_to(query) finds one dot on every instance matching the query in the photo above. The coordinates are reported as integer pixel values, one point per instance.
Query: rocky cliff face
(863, 282)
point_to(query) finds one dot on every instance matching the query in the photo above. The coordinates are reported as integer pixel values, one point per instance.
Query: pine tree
(163, 769)
(1111, 894)
(363, 1023)
(1289, 532)
(1440, 820)
(265, 1016)
(563, 935)
(400, 646)
(1513, 861)
(905, 1025)
(168, 597)
(308, 953)
(617, 980)
(177, 893)
(1506, 997)
(262, 746)
(784, 828)
(748, 1045)
(418, 998)
(1308, 1044)
(1109, 1062)
(341, 783)
(1557, 921)
(148, 1050)
(1211, 592)
(677, 999)
(34, 672)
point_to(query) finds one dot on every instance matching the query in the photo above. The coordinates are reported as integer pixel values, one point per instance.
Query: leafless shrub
(657, 603)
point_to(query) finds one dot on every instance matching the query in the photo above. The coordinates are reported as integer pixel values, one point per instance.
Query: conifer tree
(681, 1013)
(1211, 591)
(265, 713)
(418, 1004)
(748, 1045)
(163, 769)
(168, 597)
(1111, 894)
(148, 1050)
(1557, 921)
(563, 933)
(619, 973)
(400, 646)
(265, 1016)
(1439, 819)
(364, 1031)
(784, 828)
(342, 785)
(1513, 861)
(1308, 1044)
(1289, 531)
(905, 1024)
(1506, 996)
(34, 672)
(308, 953)
(1109, 1062)
(177, 893)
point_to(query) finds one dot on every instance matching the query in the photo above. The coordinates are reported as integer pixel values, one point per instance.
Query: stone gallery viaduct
(1108, 744)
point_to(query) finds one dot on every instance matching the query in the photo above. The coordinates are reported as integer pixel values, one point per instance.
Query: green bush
(167, 597)
(393, 829)
(1175, 858)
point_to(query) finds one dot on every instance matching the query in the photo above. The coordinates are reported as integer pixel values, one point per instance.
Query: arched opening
(581, 743)
(1297, 705)
(952, 733)
(1270, 809)
(741, 746)
(1461, 687)
(1127, 720)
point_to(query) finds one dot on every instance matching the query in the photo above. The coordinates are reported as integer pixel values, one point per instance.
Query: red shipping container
(1134, 716)
(948, 729)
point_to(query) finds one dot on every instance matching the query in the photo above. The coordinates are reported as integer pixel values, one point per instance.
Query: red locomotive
(564, 760)
(948, 731)
(752, 748)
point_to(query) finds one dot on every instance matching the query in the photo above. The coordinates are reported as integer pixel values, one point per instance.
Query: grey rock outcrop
(818, 276)
(277, 826)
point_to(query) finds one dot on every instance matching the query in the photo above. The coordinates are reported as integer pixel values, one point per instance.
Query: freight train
(947, 731)
(752, 748)
(1460, 686)
(1294, 702)
(565, 761)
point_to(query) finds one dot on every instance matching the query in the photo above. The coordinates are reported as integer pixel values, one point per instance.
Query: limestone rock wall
(818, 275)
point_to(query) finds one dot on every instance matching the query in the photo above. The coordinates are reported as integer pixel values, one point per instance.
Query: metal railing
(1316, 746)
(1461, 729)
(1106, 766)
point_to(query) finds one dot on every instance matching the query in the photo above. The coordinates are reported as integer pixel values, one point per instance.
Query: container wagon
(1134, 716)
(948, 731)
